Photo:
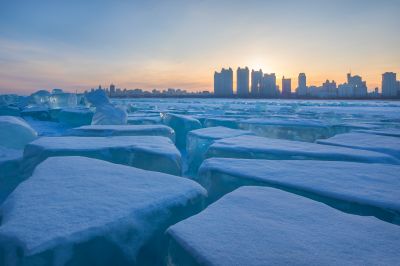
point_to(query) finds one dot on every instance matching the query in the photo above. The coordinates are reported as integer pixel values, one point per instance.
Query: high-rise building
(223, 82)
(112, 89)
(268, 86)
(286, 87)
(389, 84)
(359, 86)
(302, 85)
(256, 82)
(329, 89)
(242, 81)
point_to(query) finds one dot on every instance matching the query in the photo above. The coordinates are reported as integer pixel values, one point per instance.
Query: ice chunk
(37, 112)
(147, 152)
(199, 140)
(9, 110)
(15, 133)
(124, 130)
(363, 141)
(391, 132)
(181, 124)
(97, 97)
(265, 226)
(40, 98)
(221, 121)
(359, 188)
(253, 147)
(94, 213)
(76, 116)
(63, 100)
(292, 129)
(144, 120)
(10, 160)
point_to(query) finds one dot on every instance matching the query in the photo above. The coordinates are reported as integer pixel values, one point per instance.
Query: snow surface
(367, 189)
(253, 147)
(10, 160)
(363, 141)
(92, 203)
(123, 130)
(15, 133)
(146, 152)
(264, 226)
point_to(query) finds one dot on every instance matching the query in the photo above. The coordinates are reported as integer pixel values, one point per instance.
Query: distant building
(223, 83)
(389, 85)
(268, 86)
(242, 81)
(286, 87)
(112, 89)
(329, 89)
(345, 91)
(256, 82)
(302, 89)
(359, 86)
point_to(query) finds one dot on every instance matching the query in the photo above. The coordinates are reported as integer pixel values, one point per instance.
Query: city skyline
(77, 45)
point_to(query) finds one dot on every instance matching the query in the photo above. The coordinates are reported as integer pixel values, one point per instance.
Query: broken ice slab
(222, 121)
(181, 124)
(359, 188)
(82, 211)
(253, 147)
(62, 100)
(264, 226)
(390, 132)
(368, 142)
(292, 129)
(199, 140)
(10, 160)
(39, 113)
(15, 133)
(146, 152)
(144, 120)
(75, 116)
(123, 130)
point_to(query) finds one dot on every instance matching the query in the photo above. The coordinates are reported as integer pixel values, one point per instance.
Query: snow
(15, 133)
(292, 129)
(106, 113)
(363, 141)
(199, 140)
(264, 226)
(181, 124)
(146, 152)
(367, 189)
(105, 210)
(253, 147)
(124, 130)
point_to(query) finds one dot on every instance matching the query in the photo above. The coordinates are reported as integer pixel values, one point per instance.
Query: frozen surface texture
(199, 140)
(181, 124)
(363, 141)
(15, 133)
(264, 226)
(94, 213)
(360, 188)
(124, 130)
(253, 147)
(106, 113)
(146, 152)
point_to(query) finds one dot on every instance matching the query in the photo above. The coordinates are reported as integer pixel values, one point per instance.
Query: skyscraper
(112, 89)
(286, 87)
(268, 86)
(223, 82)
(389, 84)
(242, 81)
(256, 82)
(302, 85)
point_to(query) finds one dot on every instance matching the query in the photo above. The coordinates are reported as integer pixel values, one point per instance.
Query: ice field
(88, 180)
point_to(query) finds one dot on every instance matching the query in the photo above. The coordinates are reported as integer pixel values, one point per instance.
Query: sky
(77, 45)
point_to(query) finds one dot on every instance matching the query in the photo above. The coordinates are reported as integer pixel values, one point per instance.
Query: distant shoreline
(252, 98)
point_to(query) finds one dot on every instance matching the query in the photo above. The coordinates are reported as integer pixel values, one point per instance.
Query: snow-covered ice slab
(181, 124)
(124, 130)
(146, 152)
(94, 213)
(10, 161)
(253, 147)
(199, 140)
(360, 188)
(363, 141)
(15, 133)
(390, 132)
(293, 129)
(264, 226)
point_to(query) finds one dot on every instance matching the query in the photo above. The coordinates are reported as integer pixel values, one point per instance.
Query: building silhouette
(268, 86)
(286, 87)
(359, 86)
(302, 89)
(242, 82)
(256, 82)
(223, 83)
(389, 85)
